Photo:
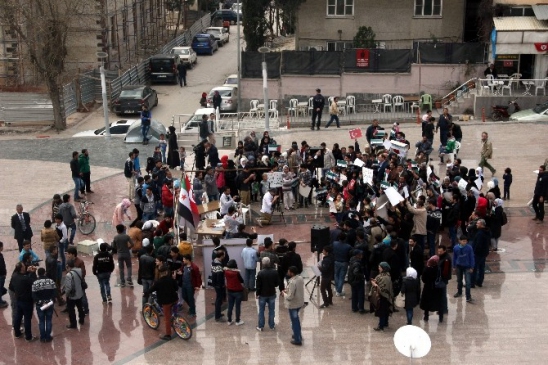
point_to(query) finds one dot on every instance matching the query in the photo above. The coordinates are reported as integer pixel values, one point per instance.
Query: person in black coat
(20, 222)
(217, 100)
(318, 103)
(390, 255)
(416, 257)
(166, 295)
(410, 289)
(481, 243)
(173, 156)
(431, 298)
(327, 268)
(213, 154)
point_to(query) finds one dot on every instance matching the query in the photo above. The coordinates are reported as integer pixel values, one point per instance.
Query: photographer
(270, 200)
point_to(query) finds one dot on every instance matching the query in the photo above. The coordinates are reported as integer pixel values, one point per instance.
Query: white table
(498, 87)
(302, 107)
(377, 104)
(527, 85)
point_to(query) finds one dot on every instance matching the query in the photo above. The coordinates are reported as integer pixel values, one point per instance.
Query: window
(340, 7)
(428, 7)
(521, 11)
(339, 46)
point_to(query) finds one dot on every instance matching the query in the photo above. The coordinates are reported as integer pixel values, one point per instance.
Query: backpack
(355, 274)
(128, 169)
(504, 218)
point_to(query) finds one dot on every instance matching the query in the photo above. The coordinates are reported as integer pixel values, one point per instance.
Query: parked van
(163, 68)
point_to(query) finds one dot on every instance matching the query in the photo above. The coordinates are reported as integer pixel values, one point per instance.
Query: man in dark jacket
(204, 128)
(217, 100)
(181, 73)
(218, 282)
(43, 293)
(453, 215)
(481, 244)
(21, 284)
(292, 258)
(54, 272)
(433, 223)
(318, 102)
(75, 172)
(20, 222)
(147, 266)
(416, 257)
(103, 266)
(213, 154)
(327, 268)
(266, 284)
(446, 269)
(356, 279)
(540, 194)
(390, 255)
(166, 295)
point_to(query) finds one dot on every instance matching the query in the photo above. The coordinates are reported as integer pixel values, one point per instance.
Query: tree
(42, 27)
(365, 38)
(289, 9)
(254, 23)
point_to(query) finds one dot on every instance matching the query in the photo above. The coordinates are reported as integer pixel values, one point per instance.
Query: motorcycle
(502, 111)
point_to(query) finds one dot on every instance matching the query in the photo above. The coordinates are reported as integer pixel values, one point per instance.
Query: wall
(382, 16)
(525, 102)
(437, 80)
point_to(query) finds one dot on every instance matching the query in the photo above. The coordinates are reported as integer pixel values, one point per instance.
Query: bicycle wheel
(182, 327)
(151, 317)
(86, 225)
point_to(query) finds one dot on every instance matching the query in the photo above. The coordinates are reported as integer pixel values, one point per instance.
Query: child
(264, 185)
(254, 191)
(507, 177)
(182, 157)
(166, 288)
(163, 147)
(3, 273)
(157, 155)
(411, 290)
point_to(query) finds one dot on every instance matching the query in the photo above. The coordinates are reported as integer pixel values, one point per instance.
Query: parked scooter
(501, 112)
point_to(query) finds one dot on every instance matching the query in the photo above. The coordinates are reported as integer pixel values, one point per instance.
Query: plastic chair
(330, 100)
(490, 82)
(292, 107)
(254, 109)
(351, 104)
(414, 106)
(509, 87)
(310, 105)
(426, 100)
(273, 108)
(387, 102)
(541, 85)
(398, 101)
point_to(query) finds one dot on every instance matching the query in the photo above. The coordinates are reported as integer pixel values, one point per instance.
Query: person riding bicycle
(166, 296)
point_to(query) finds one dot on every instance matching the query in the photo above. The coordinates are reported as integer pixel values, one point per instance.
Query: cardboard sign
(275, 179)
(367, 175)
(387, 144)
(342, 163)
(359, 163)
(462, 186)
(355, 133)
(399, 148)
(393, 195)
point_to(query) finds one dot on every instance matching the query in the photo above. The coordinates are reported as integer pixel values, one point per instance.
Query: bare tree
(42, 26)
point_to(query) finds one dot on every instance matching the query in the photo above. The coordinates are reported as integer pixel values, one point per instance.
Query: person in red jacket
(167, 197)
(192, 282)
(481, 206)
(235, 290)
(166, 224)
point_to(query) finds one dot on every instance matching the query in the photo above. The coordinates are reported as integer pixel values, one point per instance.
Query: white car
(536, 114)
(117, 129)
(186, 54)
(231, 80)
(193, 124)
(220, 34)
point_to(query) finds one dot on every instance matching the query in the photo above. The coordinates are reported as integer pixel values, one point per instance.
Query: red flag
(355, 133)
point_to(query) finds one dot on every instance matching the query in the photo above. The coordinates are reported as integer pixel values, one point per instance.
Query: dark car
(204, 43)
(133, 97)
(226, 14)
(163, 68)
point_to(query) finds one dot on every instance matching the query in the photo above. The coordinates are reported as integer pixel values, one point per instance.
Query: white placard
(387, 144)
(359, 163)
(342, 178)
(261, 237)
(393, 195)
(428, 172)
(305, 190)
(405, 192)
(462, 186)
(367, 175)
(316, 271)
(275, 179)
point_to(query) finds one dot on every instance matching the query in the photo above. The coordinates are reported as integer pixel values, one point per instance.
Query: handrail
(458, 88)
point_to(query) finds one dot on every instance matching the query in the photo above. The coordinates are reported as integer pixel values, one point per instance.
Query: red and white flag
(355, 133)
(187, 208)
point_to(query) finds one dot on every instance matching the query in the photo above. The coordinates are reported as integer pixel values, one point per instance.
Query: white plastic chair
(310, 105)
(351, 104)
(387, 102)
(254, 110)
(292, 107)
(490, 82)
(273, 108)
(508, 87)
(414, 106)
(540, 85)
(330, 100)
(398, 101)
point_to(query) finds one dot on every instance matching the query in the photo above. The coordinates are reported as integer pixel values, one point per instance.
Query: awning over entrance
(518, 34)
(541, 11)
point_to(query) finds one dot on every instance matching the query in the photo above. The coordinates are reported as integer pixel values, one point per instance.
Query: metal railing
(521, 87)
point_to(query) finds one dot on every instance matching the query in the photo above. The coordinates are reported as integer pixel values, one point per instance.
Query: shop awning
(520, 23)
(541, 11)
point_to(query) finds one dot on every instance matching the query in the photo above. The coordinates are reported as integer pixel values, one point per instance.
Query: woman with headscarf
(431, 298)
(493, 187)
(287, 182)
(383, 285)
(495, 223)
(120, 211)
(173, 156)
(410, 289)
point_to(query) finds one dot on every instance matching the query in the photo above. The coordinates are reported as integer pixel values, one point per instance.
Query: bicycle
(86, 221)
(152, 312)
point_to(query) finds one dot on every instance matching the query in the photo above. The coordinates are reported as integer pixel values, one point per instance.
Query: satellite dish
(264, 49)
(412, 341)
(101, 54)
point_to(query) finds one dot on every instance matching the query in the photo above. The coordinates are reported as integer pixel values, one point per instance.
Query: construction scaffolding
(10, 51)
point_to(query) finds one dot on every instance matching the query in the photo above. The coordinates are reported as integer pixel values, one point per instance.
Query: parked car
(204, 43)
(134, 135)
(229, 96)
(186, 54)
(117, 129)
(226, 14)
(536, 114)
(231, 80)
(163, 68)
(220, 34)
(133, 97)
(193, 124)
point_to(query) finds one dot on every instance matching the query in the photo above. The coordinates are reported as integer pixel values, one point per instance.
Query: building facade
(332, 24)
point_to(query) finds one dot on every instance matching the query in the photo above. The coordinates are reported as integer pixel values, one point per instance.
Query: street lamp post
(264, 51)
(239, 57)
(102, 56)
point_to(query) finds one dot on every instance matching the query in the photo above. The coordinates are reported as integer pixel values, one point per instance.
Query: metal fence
(20, 108)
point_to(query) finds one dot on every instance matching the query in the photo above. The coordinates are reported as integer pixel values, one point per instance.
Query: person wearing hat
(382, 285)
(269, 200)
(356, 279)
(318, 102)
(103, 266)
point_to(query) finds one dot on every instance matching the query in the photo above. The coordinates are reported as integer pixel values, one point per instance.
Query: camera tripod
(278, 208)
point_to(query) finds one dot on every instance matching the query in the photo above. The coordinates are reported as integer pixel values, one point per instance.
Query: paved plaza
(506, 324)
